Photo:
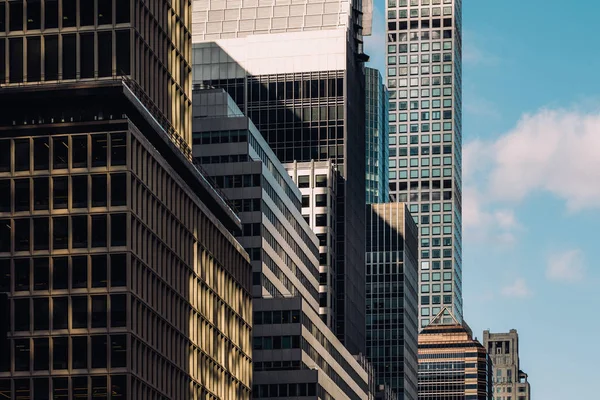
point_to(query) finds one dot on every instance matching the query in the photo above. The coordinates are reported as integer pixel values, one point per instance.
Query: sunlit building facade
(424, 79)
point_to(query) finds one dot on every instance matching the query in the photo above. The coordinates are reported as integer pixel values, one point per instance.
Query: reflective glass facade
(392, 298)
(376, 145)
(424, 78)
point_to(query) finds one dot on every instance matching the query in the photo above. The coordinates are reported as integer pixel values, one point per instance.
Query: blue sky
(531, 177)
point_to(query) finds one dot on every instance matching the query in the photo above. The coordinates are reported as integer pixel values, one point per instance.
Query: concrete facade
(510, 382)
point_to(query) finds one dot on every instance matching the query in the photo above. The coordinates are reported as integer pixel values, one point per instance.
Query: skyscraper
(376, 135)
(294, 352)
(510, 382)
(392, 298)
(117, 263)
(297, 71)
(452, 365)
(424, 81)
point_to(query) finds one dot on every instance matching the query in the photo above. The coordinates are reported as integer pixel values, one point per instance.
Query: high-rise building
(120, 273)
(297, 71)
(317, 183)
(376, 147)
(424, 40)
(392, 298)
(452, 365)
(510, 382)
(294, 352)
(52, 41)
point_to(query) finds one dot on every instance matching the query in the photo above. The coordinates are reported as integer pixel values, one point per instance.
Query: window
(22, 354)
(41, 154)
(22, 155)
(80, 386)
(79, 231)
(305, 200)
(41, 197)
(118, 270)
(79, 191)
(104, 12)
(79, 151)
(118, 234)
(118, 310)
(21, 194)
(122, 12)
(15, 17)
(22, 234)
(41, 360)
(123, 42)
(99, 311)
(99, 388)
(321, 219)
(86, 54)
(41, 273)
(321, 200)
(69, 13)
(118, 148)
(69, 55)
(99, 150)
(118, 351)
(61, 152)
(60, 273)
(118, 189)
(60, 354)
(51, 14)
(99, 351)
(79, 357)
(34, 57)
(99, 192)
(5, 235)
(16, 57)
(105, 58)
(304, 181)
(79, 309)
(99, 275)
(79, 272)
(21, 314)
(60, 192)
(60, 313)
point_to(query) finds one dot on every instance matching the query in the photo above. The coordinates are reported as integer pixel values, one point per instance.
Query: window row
(69, 312)
(425, 174)
(63, 192)
(284, 390)
(294, 88)
(415, 47)
(435, 265)
(276, 317)
(424, 162)
(404, 3)
(425, 300)
(424, 58)
(68, 353)
(64, 388)
(35, 16)
(63, 152)
(275, 342)
(63, 273)
(424, 150)
(82, 56)
(61, 233)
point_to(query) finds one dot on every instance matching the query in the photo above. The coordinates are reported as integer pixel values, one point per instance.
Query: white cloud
(474, 52)
(568, 266)
(552, 151)
(517, 289)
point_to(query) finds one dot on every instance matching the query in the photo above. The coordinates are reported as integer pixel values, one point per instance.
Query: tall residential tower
(424, 82)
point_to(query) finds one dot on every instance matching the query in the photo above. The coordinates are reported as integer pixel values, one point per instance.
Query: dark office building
(56, 41)
(392, 297)
(121, 276)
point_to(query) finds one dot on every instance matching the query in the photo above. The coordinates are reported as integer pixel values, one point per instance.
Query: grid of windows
(112, 264)
(424, 78)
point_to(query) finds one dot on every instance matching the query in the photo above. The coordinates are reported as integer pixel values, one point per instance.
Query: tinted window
(60, 388)
(79, 151)
(123, 50)
(41, 273)
(22, 351)
(51, 58)
(79, 354)
(21, 194)
(118, 351)
(99, 231)
(41, 360)
(41, 153)
(60, 354)
(60, 273)
(21, 315)
(60, 313)
(118, 189)
(5, 275)
(16, 59)
(22, 234)
(41, 233)
(34, 59)
(51, 14)
(86, 13)
(118, 234)
(79, 272)
(61, 232)
(105, 54)
(118, 310)
(86, 52)
(41, 314)
(3, 19)
(69, 56)
(5, 155)
(80, 191)
(15, 19)
(41, 194)
(122, 11)
(79, 231)
(5, 200)
(118, 270)
(80, 387)
(99, 311)
(99, 275)
(61, 192)
(105, 12)
(61, 152)
(69, 13)
(118, 149)
(33, 14)
(2, 50)
(22, 155)
(79, 311)
(5, 235)
(99, 192)
(99, 351)
(99, 150)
